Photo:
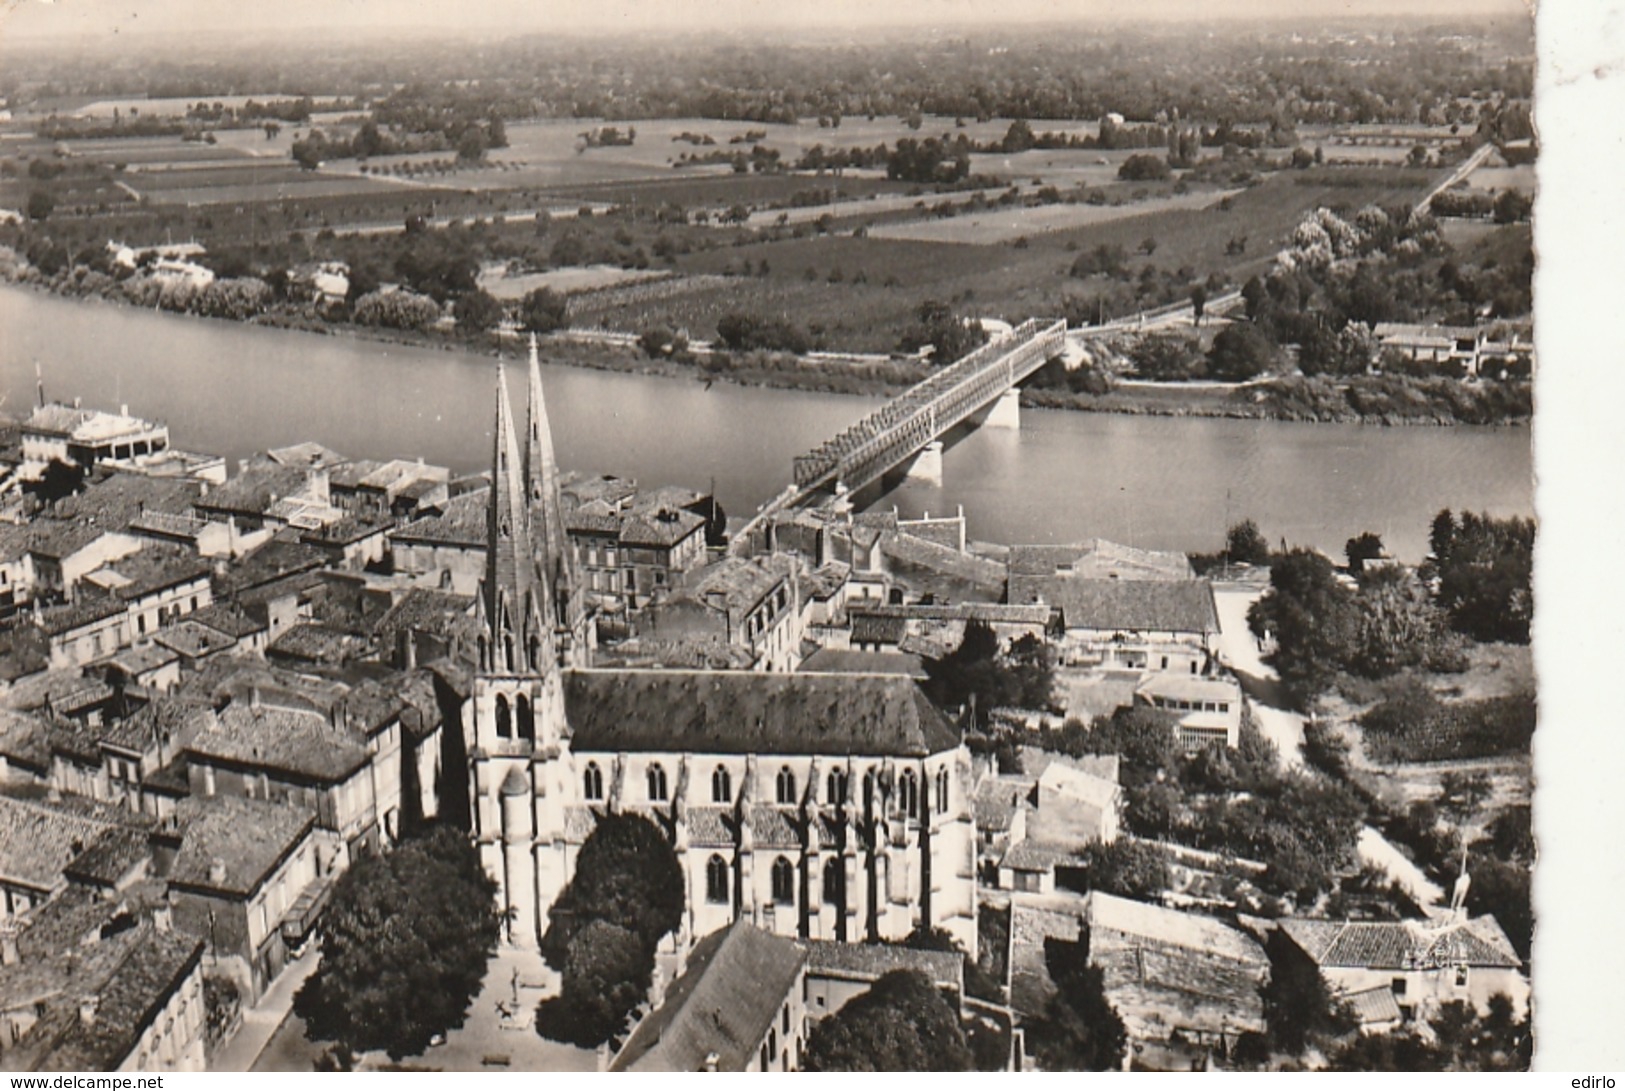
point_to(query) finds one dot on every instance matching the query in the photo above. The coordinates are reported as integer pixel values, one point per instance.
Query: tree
(1167, 357)
(606, 974)
(949, 335)
(471, 145)
(1512, 207)
(1143, 168)
(1079, 1030)
(543, 310)
(978, 672)
(1397, 626)
(1298, 1005)
(902, 1024)
(1198, 303)
(627, 875)
(1485, 575)
(1240, 352)
(1127, 868)
(40, 204)
(1244, 544)
(1018, 137)
(496, 133)
(1366, 547)
(405, 942)
(1312, 618)
(477, 310)
(1143, 737)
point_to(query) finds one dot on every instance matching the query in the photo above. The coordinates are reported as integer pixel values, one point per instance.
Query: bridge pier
(1006, 411)
(927, 465)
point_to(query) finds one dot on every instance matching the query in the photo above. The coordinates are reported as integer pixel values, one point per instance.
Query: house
(1207, 708)
(879, 625)
(425, 625)
(301, 758)
(1420, 964)
(124, 602)
(749, 604)
(840, 972)
(1095, 559)
(738, 1006)
(170, 462)
(631, 554)
(1452, 349)
(238, 872)
(1137, 625)
(444, 544)
(376, 491)
(96, 985)
(63, 552)
(1072, 804)
(1182, 983)
(83, 437)
(267, 494)
(16, 569)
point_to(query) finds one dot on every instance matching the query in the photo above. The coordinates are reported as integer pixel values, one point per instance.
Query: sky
(101, 18)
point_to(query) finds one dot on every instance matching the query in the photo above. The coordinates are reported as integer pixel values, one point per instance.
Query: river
(1157, 482)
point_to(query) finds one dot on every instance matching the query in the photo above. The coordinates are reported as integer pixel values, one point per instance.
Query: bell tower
(567, 609)
(520, 758)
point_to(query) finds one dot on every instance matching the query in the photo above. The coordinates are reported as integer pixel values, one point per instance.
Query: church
(829, 807)
(819, 806)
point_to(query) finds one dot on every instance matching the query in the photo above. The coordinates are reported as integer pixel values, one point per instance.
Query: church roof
(749, 713)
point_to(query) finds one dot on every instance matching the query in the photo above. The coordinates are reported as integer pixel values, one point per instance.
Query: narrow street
(1238, 650)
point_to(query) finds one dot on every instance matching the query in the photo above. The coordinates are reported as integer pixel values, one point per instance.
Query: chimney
(711, 1060)
(254, 697)
(8, 944)
(87, 1009)
(123, 410)
(163, 920)
(217, 871)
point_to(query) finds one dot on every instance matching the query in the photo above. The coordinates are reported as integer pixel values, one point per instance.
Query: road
(1472, 163)
(1238, 650)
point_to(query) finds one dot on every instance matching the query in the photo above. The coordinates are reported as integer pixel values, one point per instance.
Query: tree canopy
(405, 943)
(626, 894)
(902, 1024)
(1079, 1030)
(979, 671)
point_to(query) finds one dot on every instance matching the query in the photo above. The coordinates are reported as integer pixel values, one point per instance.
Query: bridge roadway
(901, 428)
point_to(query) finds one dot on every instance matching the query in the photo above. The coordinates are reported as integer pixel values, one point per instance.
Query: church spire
(514, 639)
(556, 559)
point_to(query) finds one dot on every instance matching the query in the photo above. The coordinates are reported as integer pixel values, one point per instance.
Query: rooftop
(1402, 945)
(459, 521)
(661, 527)
(289, 741)
(255, 490)
(117, 500)
(1098, 559)
(723, 1003)
(248, 837)
(870, 961)
(85, 425)
(1179, 606)
(744, 713)
(309, 455)
(38, 838)
(1171, 927)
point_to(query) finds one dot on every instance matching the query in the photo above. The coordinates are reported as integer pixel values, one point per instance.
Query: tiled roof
(1097, 792)
(595, 516)
(273, 561)
(308, 454)
(736, 981)
(155, 968)
(231, 619)
(741, 583)
(846, 661)
(156, 569)
(1171, 927)
(1180, 686)
(194, 639)
(743, 713)
(110, 857)
(773, 827)
(870, 961)
(301, 744)
(249, 837)
(871, 628)
(38, 839)
(1375, 1006)
(319, 644)
(255, 490)
(663, 528)
(160, 721)
(14, 542)
(460, 521)
(910, 549)
(991, 612)
(24, 740)
(117, 500)
(60, 620)
(1401, 945)
(1098, 559)
(423, 610)
(1029, 854)
(710, 827)
(1181, 606)
(997, 800)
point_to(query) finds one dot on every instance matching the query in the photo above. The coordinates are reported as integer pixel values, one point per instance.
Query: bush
(543, 310)
(398, 309)
(1143, 168)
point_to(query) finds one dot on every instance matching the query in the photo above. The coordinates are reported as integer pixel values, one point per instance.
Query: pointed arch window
(716, 880)
(721, 785)
(835, 786)
(786, 786)
(656, 778)
(592, 782)
(784, 882)
(504, 718)
(834, 882)
(908, 793)
(943, 781)
(527, 718)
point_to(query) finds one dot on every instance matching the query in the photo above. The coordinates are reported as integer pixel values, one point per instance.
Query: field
(171, 107)
(1009, 224)
(1498, 178)
(575, 279)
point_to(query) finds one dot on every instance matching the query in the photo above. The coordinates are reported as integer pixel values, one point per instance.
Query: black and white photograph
(696, 537)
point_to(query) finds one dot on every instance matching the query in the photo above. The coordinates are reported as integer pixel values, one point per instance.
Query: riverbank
(1381, 400)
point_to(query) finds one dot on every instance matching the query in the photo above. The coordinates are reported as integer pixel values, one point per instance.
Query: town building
(82, 437)
(1136, 625)
(1207, 708)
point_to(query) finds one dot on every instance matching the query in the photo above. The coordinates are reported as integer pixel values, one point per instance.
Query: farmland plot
(1008, 224)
